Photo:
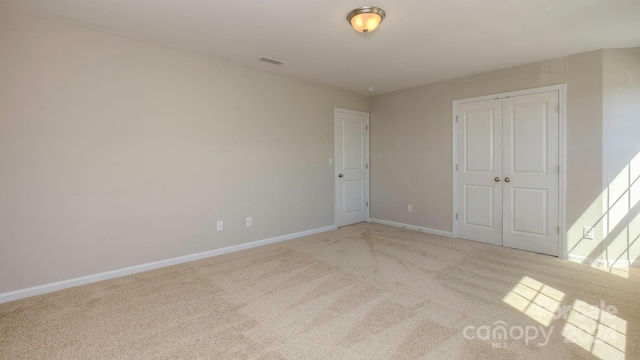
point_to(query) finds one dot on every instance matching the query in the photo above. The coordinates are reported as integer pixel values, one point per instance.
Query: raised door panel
(354, 199)
(478, 201)
(353, 143)
(529, 129)
(479, 141)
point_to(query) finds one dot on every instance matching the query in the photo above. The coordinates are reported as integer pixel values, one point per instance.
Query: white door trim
(562, 96)
(336, 209)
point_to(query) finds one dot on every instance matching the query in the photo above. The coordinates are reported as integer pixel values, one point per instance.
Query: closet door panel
(479, 158)
(530, 171)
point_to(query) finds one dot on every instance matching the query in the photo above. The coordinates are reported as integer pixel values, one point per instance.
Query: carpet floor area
(366, 291)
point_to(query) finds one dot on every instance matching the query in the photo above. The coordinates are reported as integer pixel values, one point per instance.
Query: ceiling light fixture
(366, 18)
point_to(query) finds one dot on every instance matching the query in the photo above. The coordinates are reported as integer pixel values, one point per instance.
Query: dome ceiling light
(365, 19)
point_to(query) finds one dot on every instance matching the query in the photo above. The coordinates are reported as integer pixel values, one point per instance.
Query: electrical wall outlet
(219, 226)
(410, 208)
(330, 161)
(587, 232)
(249, 221)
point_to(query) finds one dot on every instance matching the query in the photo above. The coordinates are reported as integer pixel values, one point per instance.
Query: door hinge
(456, 118)
(367, 165)
(558, 229)
(367, 204)
(456, 216)
(456, 167)
(366, 127)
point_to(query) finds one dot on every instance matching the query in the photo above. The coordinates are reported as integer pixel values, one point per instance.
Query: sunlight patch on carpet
(597, 330)
(535, 299)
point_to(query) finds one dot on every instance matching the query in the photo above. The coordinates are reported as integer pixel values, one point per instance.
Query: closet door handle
(507, 179)
(497, 179)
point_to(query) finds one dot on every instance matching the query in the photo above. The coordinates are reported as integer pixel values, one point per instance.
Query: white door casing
(480, 151)
(521, 209)
(351, 167)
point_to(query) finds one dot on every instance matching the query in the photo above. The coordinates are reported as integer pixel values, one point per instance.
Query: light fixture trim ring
(366, 10)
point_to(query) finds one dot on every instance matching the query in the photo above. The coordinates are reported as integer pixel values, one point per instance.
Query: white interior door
(508, 171)
(531, 172)
(479, 142)
(351, 166)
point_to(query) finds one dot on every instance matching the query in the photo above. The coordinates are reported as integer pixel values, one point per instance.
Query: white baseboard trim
(413, 227)
(601, 262)
(64, 284)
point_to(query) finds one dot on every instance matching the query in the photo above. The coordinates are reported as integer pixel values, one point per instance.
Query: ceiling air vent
(271, 61)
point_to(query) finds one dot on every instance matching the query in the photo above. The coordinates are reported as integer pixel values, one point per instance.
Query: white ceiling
(419, 42)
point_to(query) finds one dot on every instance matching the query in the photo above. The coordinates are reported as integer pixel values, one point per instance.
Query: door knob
(340, 175)
(497, 179)
(507, 179)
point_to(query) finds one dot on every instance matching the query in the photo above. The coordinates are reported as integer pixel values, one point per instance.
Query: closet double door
(508, 171)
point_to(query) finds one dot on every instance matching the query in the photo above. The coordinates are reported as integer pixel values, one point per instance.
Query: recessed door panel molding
(479, 140)
(507, 174)
(351, 166)
(529, 132)
(528, 211)
(353, 142)
(355, 202)
(478, 201)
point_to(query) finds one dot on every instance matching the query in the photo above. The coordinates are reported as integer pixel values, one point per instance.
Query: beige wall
(621, 155)
(621, 106)
(584, 152)
(614, 212)
(411, 139)
(115, 152)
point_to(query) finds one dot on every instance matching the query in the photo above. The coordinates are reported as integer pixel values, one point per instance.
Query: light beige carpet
(365, 291)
